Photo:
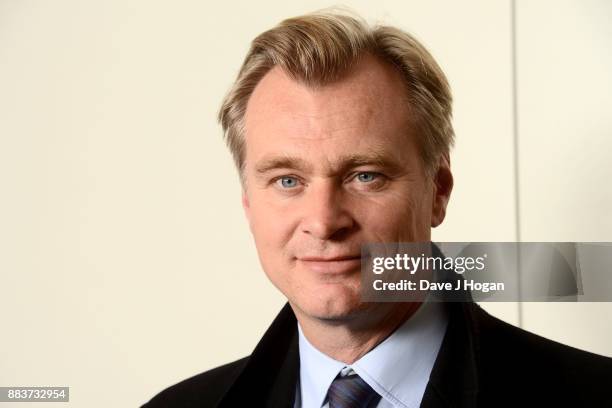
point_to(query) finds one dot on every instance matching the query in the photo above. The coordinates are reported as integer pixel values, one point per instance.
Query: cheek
(271, 226)
(398, 217)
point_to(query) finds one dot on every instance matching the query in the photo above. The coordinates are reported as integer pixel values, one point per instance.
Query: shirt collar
(398, 368)
(317, 371)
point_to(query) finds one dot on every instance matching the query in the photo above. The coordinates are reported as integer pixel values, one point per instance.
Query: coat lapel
(454, 379)
(270, 376)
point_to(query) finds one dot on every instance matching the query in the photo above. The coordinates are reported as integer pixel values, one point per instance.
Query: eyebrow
(283, 162)
(344, 163)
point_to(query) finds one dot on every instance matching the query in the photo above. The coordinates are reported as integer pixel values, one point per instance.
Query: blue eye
(366, 177)
(287, 182)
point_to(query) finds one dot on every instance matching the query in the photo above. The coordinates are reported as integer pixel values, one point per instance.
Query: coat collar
(454, 379)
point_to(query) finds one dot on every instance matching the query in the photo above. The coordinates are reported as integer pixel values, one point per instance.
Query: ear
(246, 206)
(443, 185)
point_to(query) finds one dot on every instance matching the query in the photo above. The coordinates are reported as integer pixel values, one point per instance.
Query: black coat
(483, 362)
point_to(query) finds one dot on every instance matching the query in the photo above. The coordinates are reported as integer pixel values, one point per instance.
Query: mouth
(332, 265)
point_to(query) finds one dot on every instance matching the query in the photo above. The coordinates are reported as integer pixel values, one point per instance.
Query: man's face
(327, 170)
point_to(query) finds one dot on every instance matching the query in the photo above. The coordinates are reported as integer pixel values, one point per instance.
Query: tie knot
(351, 392)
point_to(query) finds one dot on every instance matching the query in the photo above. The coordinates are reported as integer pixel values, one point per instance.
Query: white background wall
(125, 261)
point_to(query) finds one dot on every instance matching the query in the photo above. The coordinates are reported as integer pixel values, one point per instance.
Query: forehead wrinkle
(331, 123)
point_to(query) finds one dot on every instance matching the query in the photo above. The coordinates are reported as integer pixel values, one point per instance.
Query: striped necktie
(351, 392)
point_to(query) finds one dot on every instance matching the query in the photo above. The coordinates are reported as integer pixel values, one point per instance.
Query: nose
(326, 212)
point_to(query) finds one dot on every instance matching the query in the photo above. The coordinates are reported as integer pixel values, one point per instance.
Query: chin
(336, 305)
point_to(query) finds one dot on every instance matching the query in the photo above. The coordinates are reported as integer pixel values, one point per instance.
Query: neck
(348, 339)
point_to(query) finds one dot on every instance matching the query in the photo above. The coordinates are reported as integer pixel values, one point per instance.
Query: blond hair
(318, 48)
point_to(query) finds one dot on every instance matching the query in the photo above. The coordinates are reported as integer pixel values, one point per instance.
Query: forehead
(368, 106)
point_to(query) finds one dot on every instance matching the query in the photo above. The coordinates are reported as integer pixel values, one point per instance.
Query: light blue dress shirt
(398, 368)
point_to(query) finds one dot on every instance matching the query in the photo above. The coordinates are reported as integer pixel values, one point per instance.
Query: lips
(332, 265)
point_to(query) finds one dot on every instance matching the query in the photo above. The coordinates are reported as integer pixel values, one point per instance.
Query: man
(341, 134)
